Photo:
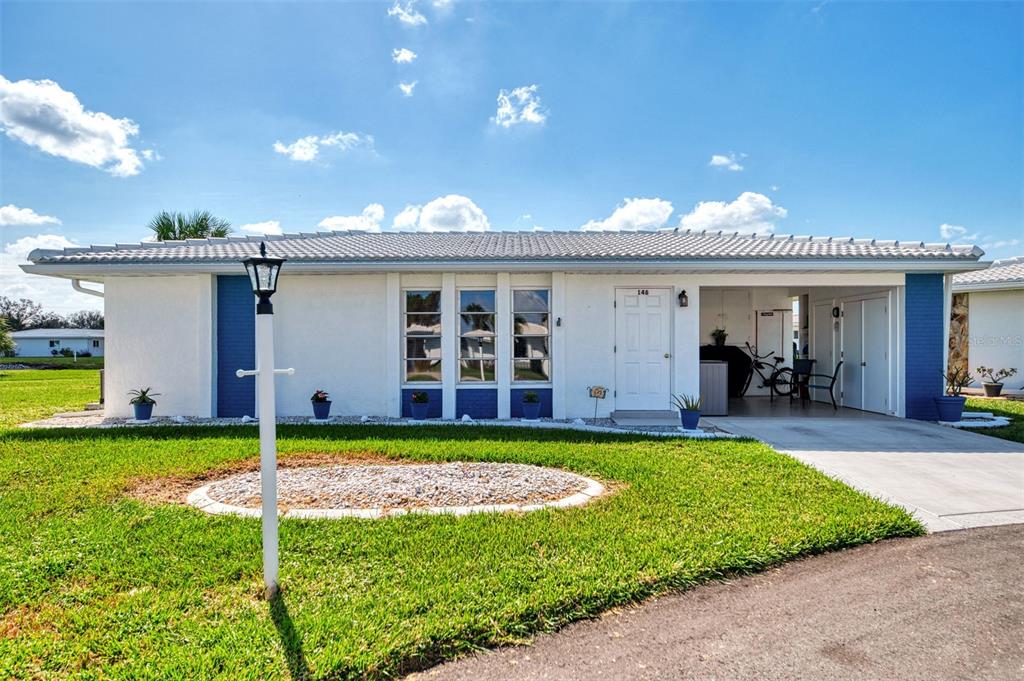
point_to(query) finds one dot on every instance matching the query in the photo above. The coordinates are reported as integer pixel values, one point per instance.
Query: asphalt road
(944, 606)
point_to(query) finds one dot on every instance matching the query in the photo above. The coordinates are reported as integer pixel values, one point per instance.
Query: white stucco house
(43, 342)
(990, 328)
(476, 319)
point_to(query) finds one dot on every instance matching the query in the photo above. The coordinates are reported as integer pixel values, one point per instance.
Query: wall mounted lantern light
(684, 301)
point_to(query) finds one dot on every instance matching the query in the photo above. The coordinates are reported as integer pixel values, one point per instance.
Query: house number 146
(642, 292)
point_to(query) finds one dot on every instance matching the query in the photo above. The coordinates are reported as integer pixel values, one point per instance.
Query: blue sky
(870, 120)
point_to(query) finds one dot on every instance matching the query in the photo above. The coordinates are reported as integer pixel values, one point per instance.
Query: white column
(686, 341)
(268, 447)
(503, 344)
(449, 344)
(393, 369)
(558, 367)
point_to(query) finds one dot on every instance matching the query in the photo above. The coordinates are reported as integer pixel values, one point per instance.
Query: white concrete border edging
(200, 498)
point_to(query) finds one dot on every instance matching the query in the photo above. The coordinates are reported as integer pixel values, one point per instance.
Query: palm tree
(200, 224)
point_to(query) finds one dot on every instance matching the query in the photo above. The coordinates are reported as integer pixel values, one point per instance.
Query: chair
(802, 369)
(822, 385)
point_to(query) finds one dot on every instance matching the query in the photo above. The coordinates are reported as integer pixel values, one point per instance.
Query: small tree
(85, 319)
(20, 314)
(200, 224)
(6, 342)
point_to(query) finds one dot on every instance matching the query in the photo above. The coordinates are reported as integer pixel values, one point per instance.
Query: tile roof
(426, 247)
(1002, 272)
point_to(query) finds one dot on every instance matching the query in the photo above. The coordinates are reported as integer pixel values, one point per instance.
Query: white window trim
(512, 336)
(404, 348)
(458, 338)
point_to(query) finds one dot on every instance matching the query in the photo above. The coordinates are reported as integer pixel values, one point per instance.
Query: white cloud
(53, 293)
(406, 13)
(407, 219)
(634, 214)
(368, 221)
(750, 213)
(403, 56)
(451, 213)
(521, 105)
(266, 227)
(308, 148)
(407, 88)
(1001, 243)
(12, 215)
(729, 162)
(42, 114)
(954, 232)
(442, 4)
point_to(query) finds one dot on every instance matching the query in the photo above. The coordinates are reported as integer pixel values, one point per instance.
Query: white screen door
(821, 346)
(642, 347)
(853, 354)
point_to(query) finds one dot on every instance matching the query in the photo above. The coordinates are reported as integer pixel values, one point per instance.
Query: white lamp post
(263, 272)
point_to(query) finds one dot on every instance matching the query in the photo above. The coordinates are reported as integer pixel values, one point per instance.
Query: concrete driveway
(949, 479)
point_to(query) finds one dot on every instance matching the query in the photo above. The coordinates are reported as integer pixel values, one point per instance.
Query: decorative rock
(248, 419)
(466, 418)
(364, 419)
(179, 419)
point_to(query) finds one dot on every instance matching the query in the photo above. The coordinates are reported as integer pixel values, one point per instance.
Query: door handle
(667, 355)
(863, 364)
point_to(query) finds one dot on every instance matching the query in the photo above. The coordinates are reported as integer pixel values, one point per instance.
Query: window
(54, 343)
(422, 336)
(95, 343)
(476, 336)
(531, 335)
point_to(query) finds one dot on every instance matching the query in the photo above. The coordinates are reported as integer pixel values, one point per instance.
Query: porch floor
(763, 407)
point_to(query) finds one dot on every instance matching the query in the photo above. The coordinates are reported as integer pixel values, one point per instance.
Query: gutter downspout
(77, 285)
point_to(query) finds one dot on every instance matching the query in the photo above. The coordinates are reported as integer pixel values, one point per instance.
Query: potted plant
(719, 336)
(531, 405)
(994, 385)
(321, 405)
(951, 405)
(420, 404)
(142, 403)
(689, 410)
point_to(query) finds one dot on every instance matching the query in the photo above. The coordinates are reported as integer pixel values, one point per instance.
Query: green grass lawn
(30, 394)
(56, 362)
(1012, 409)
(95, 584)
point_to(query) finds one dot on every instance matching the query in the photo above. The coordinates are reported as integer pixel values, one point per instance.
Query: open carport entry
(858, 326)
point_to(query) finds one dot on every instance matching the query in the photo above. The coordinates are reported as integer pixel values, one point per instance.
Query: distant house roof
(350, 248)
(57, 333)
(1002, 274)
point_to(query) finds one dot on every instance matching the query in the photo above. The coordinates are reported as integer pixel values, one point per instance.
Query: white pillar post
(394, 371)
(449, 344)
(503, 343)
(558, 353)
(268, 448)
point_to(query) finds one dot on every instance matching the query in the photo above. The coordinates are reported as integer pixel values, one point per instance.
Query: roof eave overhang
(992, 286)
(100, 269)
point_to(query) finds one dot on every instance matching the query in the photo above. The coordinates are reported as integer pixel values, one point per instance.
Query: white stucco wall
(159, 334)
(40, 347)
(589, 328)
(332, 330)
(996, 333)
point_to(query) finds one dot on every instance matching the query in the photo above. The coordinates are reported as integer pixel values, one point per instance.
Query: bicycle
(780, 378)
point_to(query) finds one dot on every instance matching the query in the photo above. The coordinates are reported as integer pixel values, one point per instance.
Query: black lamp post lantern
(683, 300)
(263, 272)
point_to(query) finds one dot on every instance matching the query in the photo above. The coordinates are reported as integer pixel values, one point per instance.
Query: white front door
(642, 348)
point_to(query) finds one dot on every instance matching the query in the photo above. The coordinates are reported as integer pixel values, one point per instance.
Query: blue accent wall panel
(434, 408)
(236, 346)
(926, 344)
(479, 403)
(516, 400)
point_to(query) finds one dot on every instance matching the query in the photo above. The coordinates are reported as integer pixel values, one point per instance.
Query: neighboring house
(43, 342)
(476, 319)
(987, 324)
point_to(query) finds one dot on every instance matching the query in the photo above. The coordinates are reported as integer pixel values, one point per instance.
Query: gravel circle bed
(380, 490)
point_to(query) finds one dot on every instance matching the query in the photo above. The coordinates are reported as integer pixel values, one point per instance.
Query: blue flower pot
(419, 410)
(322, 410)
(689, 418)
(143, 410)
(531, 411)
(951, 409)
